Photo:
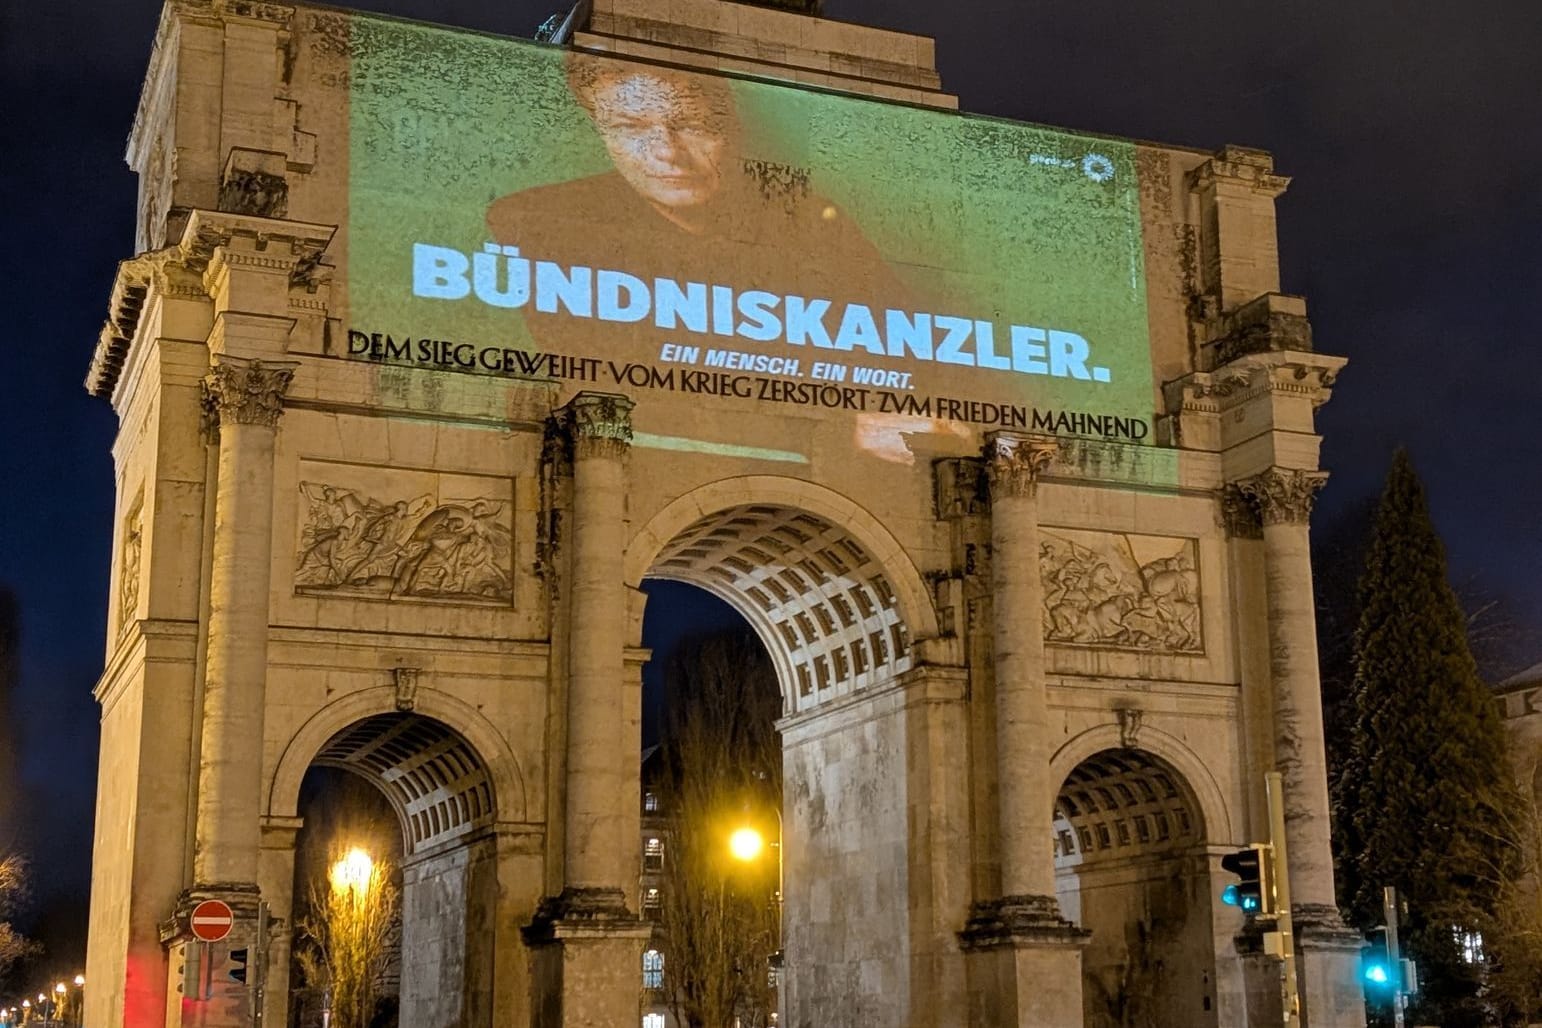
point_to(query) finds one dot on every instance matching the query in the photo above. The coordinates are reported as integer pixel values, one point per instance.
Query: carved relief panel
(129, 564)
(1110, 589)
(381, 534)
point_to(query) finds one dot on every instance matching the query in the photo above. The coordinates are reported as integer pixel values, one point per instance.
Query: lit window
(653, 975)
(653, 1021)
(1471, 945)
(653, 855)
(652, 901)
(650, 804)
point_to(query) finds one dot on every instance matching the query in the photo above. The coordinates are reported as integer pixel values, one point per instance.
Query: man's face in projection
(664, 136)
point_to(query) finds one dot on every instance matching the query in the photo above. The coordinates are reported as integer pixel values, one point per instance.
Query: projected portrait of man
(683, 200)
(667, 135)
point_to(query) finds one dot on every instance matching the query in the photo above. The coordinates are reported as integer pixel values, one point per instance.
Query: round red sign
(211, 920)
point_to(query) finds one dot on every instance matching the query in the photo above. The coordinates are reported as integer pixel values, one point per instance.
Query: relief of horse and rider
(1136, 592)
(420, 548)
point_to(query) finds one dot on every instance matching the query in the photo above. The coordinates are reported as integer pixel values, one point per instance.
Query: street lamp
(746, 844)
(80, 999)
(352, 873)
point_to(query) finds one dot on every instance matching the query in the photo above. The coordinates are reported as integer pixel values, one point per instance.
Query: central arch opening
(827, 601)
(412, 791)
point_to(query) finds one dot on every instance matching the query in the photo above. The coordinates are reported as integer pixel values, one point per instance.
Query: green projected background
(522, 198)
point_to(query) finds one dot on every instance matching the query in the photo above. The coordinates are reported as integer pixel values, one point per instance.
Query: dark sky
(1411, 128)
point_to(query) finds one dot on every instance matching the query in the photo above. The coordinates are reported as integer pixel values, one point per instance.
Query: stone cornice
(1241, 165)
(161, 271)
(1014, 464)
(248, 240)
(1284, 496)
(213, 241)
(1291, 372)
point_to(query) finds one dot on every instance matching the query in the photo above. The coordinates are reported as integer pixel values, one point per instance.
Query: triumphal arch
(437, 346)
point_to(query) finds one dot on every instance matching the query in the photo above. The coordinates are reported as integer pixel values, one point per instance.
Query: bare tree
(14, 947)
(722, 771)
(346, 936)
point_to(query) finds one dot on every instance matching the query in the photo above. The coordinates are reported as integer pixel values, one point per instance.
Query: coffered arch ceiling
(817, 597)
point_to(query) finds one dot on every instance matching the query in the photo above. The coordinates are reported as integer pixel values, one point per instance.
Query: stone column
(1025, 795)
(598, 764)
(588, 944)
(247, 395)
(1027, 965)
(1329, 986)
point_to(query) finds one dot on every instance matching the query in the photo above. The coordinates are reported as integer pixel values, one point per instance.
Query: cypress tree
(1434, 804)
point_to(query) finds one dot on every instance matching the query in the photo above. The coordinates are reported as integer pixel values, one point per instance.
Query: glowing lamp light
(746, 844)
(352, 872)
(80, 981)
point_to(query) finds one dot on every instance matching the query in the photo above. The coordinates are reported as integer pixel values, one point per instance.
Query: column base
(1328, 969)
(586, 950)
(1024, 964)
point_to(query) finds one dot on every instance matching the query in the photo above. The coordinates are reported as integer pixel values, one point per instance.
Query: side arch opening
(412, 790)
(1132, 867)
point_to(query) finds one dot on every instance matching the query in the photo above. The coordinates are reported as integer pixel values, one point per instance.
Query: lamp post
(80, 1000)
(746, 844)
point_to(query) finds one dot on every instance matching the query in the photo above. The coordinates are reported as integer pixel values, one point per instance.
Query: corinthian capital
(1284, 495)
(1014, 463)
(601, 424)
(248, 392)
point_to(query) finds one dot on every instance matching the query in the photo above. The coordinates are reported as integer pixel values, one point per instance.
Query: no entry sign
(211, 920)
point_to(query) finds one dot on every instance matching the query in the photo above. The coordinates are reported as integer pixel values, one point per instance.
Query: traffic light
(1253, 892)
(237, 970)
(1384, 973)
(190, 973)
(1378, 970)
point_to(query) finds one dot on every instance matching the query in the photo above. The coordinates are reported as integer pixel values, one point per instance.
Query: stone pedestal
(587, 954)
(1328, 969)
(1024, 965)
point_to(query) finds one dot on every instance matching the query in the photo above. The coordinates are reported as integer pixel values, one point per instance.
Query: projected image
(523, 210)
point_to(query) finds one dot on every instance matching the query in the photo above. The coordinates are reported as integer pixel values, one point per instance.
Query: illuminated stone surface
(1009, 775)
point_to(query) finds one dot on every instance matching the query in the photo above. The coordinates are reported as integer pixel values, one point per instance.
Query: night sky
(1412, 130)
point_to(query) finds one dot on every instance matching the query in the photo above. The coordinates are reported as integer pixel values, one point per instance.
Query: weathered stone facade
(1031, 685)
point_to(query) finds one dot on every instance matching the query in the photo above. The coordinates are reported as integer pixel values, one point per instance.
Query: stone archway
(839, 607)
(1132, 868)
(443, 795)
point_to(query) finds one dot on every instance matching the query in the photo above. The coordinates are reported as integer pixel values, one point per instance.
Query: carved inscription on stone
(1125, 591)
(422, 542)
